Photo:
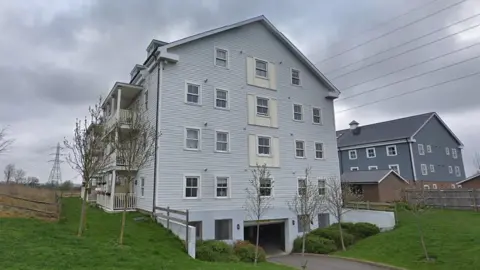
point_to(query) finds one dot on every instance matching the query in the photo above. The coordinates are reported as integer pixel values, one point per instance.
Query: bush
(245, 251)
(315, 244)
(363, 230)
(334, 234)
(215, 251)
(348, 226)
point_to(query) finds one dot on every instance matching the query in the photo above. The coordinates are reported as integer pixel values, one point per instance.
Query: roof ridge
(392, 120)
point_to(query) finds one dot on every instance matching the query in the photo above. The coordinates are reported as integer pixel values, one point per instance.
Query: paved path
(322, 263)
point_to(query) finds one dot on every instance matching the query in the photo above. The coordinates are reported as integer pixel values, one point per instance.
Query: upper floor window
(221, 57)
(450, 169)
(317, 116)
(432, 168)
(371, 153)
(394, 167)
(191, 186)
(429, 148)
(266, 187)
(297, 112)
(222, 187)
(454, 153)
(426, 186)
(421, 150)
(192, 138)
(354, 169)
(295, 76)
(221, 99)
(302, 186)
(262, 106)
(457, 171)
(447, 151)
(372, 168)
(261, 68)
(193, 93)
(424, 169)
(300, 149)
(222, 141)
(145, 99)
(263, 145)
(434, 186)
(321, 186)
(391, 150)
(352, 154)
(319, 150)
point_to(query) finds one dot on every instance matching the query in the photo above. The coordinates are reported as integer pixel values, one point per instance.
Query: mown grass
(35, 244)
(452, 239)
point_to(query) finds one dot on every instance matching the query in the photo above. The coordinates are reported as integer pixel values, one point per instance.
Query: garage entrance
(272, 235)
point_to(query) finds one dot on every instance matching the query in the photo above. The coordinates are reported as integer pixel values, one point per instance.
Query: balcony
(117, 106)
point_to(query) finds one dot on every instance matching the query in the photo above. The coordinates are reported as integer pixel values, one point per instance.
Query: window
(302, 186)
(429, 148)
(424, 169)
(191, 186)
(354, 169)
(142, 186)
(319, 150)
(432, 168)
(457, 171)
(317, 116)
(192, 139)
(352, 154)
(295, 77)
(193, 93)
(447, 151)
(303, 223)
(321, 186)
(394, 167)
(145, 99)
(261, 68)
(372, 168)
(452, 186)
(297, 112)
(426, 186)
(421, 150)
(300, 149)
(266, 187)
(222, 141)
(221, 99)
(223, 229)
(454, 153)
(459, 186)
(391, 150)
(262, 106)
(198, 229)
(222, 187)
(323, 220)
(450, 169)
(221, 57)
(434, 186)
(371, 153)
(263, 145)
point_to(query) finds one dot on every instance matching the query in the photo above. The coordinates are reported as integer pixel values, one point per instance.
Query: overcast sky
(58, 56)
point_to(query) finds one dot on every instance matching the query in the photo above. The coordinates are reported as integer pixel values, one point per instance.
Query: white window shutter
(272, 76)
(250, 70)
(252, 109)
(273, 113)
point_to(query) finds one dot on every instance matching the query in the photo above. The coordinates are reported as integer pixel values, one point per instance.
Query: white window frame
(374, 152)
(429, 148)
(458, 186)
(228, 141)
(353, 169)
(434, 186)
(227, 100)
(421, 149)
(298, 185)
(316, 150)
(230, 233)
(266, 68)
(302, 114)
(450, 169)
(199, 93)
(268, 106)
(424, 169)
(299, 77)
(454, 153)
(373, 167)
(271, 188)
(426, 187)
(199, 185)
(350, 156)
(145, 100)
(394, 147)
(447, 151)
(199, 139)
(394, 165)
(324, 187)
(227, 55)
(228, 186)
(142, 187)
(270, 145)
(313, 116)
(304, 149)
(458, 173)
(432, 168)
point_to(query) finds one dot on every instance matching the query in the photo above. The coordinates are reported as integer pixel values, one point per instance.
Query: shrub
(363, 230)
(334, 234)
(348, 226)
(215, 251)
(315, 244)
(245, 251)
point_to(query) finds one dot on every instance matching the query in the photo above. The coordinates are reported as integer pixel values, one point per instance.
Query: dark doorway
(272, 236)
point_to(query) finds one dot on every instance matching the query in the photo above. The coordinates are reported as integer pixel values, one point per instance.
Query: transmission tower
(55, 174)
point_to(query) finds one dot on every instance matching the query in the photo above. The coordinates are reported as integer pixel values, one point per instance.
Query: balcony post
(119, 98)
(112, 192)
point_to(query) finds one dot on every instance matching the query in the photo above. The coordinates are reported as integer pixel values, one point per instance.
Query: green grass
(452, 238)
(34, 244)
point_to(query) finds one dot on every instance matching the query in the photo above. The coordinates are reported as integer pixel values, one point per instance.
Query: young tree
(67, 185)
(259, 198)
(417, 205)
(87, 152)
(9, 172)
(4, 141)
(337, 194)
(134, 146)
(20, 176)
(306, 204)
(32, 181)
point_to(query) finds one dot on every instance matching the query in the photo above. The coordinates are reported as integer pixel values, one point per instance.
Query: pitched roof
(367, 177)
(262, 19)
(396, 129)
(473, 177)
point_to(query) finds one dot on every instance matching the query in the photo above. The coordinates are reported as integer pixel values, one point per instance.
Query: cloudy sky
(57, 57)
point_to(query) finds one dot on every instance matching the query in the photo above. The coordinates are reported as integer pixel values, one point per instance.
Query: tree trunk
(422, 240)
(341, 234)
(124, 214)
(304, 262)
(256, 244)
(82, 214)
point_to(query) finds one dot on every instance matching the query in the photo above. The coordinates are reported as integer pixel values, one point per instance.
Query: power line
(409, 92)
(409, 78)
(393, 31)
(402, 44)
(407, 51)
(411, 66)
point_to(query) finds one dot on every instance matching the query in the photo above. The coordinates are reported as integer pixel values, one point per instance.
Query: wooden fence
(467, 199)
(184, 219)
(46, 209)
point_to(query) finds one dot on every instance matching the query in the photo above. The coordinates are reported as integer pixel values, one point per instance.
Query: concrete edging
(390, 267)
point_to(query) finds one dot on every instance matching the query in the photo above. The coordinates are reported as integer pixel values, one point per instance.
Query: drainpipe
(157, 119)
(412, 159)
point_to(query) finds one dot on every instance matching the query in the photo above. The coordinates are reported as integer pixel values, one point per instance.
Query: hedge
(334, 234)
(245, 251)
(315, 244)
(215, 251)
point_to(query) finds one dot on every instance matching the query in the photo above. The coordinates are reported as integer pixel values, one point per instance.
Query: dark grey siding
(436, 135)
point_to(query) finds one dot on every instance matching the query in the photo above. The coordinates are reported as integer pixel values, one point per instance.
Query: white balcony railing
(121, 199)
(126, 117)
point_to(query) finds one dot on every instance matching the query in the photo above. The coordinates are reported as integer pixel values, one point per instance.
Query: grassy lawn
(452, 237)
(34, 244)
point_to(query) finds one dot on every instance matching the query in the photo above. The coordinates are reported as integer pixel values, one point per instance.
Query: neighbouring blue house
(420, 148)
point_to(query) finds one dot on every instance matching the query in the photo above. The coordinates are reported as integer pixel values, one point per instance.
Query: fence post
(186, 225)
(474, 197)
(368, 205)
(444, 197)
(168, 217)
